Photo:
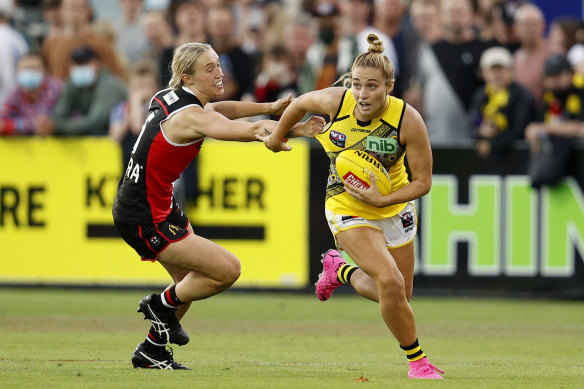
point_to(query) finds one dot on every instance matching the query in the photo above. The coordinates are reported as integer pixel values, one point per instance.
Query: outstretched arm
(240, 109)
(195, 123)
(325, 101)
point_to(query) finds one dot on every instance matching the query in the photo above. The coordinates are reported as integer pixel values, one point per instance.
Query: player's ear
(390, 86)
(187, 79)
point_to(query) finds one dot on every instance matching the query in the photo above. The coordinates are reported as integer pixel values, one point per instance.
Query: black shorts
(150, 239)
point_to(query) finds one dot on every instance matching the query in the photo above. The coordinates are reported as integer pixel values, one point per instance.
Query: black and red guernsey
(145, 191)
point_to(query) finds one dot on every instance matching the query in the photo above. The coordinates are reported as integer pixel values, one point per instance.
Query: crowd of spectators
(484, 71)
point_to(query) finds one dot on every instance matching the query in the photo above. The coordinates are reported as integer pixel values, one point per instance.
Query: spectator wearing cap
(36, 94)
(77, 30)
(501, 109)
(88, 97)
(563, 113)
(331, 54)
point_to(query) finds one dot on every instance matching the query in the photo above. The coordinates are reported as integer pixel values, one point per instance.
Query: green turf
(84, 339)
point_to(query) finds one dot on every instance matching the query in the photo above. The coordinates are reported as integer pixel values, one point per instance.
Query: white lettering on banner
(499, 224)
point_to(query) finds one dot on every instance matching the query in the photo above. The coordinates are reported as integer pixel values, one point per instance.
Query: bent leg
(404, 258)
(202, 267)
(367, 248)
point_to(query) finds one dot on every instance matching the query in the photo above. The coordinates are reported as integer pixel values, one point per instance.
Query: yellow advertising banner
(56, 226)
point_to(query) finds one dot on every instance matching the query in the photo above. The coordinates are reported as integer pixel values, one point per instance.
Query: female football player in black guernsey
(145, 213)
(376, 231)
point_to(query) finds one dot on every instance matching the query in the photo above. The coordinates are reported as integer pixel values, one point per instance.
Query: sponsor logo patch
(407, 220)
(170, 97)
(338, 138)
(355, 181)
(155, 241)
(381, 145)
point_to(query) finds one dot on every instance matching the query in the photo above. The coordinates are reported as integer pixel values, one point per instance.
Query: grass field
(84, 338)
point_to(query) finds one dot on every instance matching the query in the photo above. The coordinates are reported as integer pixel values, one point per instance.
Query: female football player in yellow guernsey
(365, 117)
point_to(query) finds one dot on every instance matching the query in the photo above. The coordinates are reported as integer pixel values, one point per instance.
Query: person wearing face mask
(330, 55)
(88, 97)
(36, 94)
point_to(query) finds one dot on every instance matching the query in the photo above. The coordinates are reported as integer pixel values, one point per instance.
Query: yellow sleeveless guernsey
(378, 137)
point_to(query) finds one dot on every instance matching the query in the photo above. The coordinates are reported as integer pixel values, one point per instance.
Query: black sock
(167, 300)
(153, 341)
(413, 352)
(345, 272)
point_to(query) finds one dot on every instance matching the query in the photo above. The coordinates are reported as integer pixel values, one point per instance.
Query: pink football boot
(423, 369)
(327, 280)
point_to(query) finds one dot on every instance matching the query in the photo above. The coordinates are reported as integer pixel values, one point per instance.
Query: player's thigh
(366, 246)
(195, 253)
(404, 258)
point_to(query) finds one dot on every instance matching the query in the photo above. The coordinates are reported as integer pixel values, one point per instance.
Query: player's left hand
(371, 196)
(272, 145)
(310, 128)
(278, 106)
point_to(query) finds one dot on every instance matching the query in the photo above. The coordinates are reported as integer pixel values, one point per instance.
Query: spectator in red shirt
(36, 94)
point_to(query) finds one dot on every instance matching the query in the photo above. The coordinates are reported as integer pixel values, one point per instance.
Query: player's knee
(391, 284)
(232, 270)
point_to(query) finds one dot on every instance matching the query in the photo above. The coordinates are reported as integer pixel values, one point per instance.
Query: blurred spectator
(448, 74)
(379, 19)
(501, 109)
(12, 47)
(87, 99)
(563, 113)
(562, 34)
(160, 43)
(130, 36)
(77, 31)
(156, 5)
(250, 24)
(127, 117)
(275, 23)
(503, 31)
(53, 22)
(36, 94)
(529, 59)
(276, 78)
(391, 18)
(238, 67)
(298, 37)
(552, 138)
(188, 18)
(331, 55)
(576, 58)
(425, 18)
(107, 30)
(357, 15)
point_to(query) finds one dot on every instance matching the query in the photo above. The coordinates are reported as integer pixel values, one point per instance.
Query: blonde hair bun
(375, 44)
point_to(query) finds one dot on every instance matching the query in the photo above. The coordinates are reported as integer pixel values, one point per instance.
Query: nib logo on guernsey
(381, 145)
